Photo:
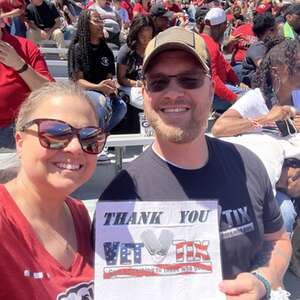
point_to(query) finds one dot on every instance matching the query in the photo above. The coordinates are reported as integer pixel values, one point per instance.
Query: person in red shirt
(22, 70)
(141, 8)
(47, 252)
(126, 4)
(226, 81)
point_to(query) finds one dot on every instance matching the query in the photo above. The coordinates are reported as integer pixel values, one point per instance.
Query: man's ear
(19, 143)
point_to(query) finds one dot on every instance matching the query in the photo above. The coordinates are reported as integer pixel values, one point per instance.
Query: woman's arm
(122, 80)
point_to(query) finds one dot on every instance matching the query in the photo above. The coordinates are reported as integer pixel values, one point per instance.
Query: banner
(157, 250)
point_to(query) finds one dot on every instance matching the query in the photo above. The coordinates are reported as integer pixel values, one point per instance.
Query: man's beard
(176, 134)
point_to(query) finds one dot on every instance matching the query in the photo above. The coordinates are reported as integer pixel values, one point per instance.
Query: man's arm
(10, 58)
(272, 264)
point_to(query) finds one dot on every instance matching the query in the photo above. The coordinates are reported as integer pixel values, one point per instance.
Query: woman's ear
(19, 143)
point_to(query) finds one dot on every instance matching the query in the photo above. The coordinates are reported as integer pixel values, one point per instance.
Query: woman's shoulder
(77, 208)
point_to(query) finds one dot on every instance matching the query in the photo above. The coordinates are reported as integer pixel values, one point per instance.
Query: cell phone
(286, 127)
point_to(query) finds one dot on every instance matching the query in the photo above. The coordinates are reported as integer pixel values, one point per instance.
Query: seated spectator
(129, 67)
(47, 247)
(111, 19)
(264, 28)
(226, 82)
(91, 64)
(123, 14)
(291, 28)
(141, 8)
(12, 13)
(161, 17)
(266, 109)
(68, 19)
(44, 23)
(23, 69)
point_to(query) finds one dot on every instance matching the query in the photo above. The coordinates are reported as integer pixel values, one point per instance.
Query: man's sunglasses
(189, 81)
(56, 135)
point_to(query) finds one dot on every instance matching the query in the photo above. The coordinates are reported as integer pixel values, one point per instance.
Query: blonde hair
(48, 90)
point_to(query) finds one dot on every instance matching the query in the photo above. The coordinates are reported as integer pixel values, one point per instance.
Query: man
(22, 69)
(291, 28)
(184, 164)
(44, 23)
(161, 17)
(264, 28)
(226, 91)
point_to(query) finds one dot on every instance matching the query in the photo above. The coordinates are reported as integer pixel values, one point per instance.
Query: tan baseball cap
(177, 38)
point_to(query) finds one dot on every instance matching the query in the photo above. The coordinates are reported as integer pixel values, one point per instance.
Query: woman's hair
(263, 22)
(81, 40)
(280, 51)
(137, 24)
(51, 89)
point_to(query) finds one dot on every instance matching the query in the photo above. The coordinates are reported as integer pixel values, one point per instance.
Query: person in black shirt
(91, 65)
(44, 22)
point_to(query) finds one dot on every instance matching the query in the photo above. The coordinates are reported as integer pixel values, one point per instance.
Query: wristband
(23, 69)
(266, 284)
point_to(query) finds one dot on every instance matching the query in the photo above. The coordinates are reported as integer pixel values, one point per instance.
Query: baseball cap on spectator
(216, 16)
(157, 10)
(177, 38)
(262, 8)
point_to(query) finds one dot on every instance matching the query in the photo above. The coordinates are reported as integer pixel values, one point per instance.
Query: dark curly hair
(280, 51)
(81, 40)
(137, 24)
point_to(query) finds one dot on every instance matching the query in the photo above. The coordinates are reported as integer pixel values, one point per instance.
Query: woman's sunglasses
(189, 81)
(56, 135)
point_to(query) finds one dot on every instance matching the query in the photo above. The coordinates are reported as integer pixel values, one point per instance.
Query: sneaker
(280, 294)
(103, 156)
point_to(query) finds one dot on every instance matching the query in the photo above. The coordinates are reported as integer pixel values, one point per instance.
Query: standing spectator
(123, 14)
(161, 17)
(264, 28)
(22, 70)
(291, 28)
(111, 19)
(178, 14)
(12, 13)
(126, 4)
(44, 23)
(226, 81)
(199, 18)
(129, 68)
(91, 64)
(141, 8)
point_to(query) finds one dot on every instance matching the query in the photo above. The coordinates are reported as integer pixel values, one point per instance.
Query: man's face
(294, 21)
(177, 113)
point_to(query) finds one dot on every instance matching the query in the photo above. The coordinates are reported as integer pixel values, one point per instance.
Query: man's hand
(107, 86)
(245, 287)
(45, 35)
(10, 57)
(244, 86)
(296, 121)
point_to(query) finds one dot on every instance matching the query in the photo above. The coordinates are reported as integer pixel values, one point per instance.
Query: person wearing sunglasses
(183, 164)
(46, 250)
(268, 112)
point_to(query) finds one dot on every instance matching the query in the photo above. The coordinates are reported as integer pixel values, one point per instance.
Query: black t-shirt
(255, 52)
(43, 16)
(233, 175)
(102, 62)
(132, 60)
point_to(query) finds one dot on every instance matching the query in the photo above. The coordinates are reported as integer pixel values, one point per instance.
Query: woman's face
(145, 35)
(60, 170)
(96, 25)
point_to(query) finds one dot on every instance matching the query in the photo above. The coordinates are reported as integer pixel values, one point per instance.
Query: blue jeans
(18, 27)
(7, 139)
(110, 111)
(220, 104)
(287, 210)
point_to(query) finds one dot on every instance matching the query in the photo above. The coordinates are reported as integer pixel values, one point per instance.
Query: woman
(141, 8)
(270, 108)
(129, 64)
(46, 252)
(91, 65)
